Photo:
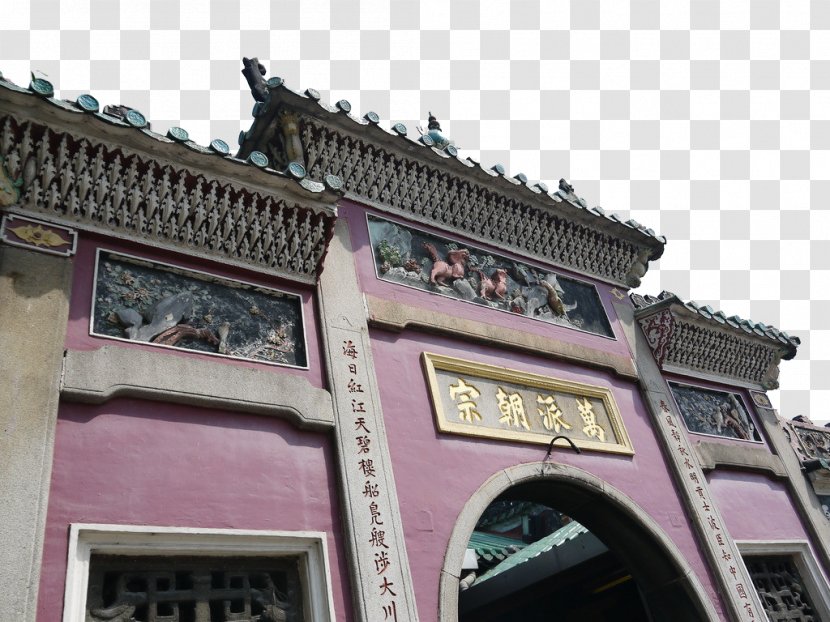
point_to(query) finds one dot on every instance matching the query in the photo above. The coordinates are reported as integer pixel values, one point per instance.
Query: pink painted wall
(436, 474)
(78, 337)
(147, 463)
(755, 507)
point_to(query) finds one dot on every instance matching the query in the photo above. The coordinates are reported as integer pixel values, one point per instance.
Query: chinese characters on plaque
(372, 515)
(475, 399)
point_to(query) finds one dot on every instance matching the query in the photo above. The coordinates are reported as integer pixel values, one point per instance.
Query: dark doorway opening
(558, 549)
(533, 563)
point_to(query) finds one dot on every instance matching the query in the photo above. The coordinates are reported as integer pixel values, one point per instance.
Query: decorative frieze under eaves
(74, 179)
(426, 193)
(685, 344)
(811, 444)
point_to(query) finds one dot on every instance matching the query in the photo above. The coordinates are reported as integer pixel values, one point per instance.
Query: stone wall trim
(717, 455)
(397, 317)
(554, 472)
(97, 376)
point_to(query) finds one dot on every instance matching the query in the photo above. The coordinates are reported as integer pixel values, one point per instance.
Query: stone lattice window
(781, 588)
(124, 588)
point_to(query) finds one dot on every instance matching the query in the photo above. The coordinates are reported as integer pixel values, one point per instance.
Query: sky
(708, 122)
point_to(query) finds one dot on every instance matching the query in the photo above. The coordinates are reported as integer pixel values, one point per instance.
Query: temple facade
(348, 374)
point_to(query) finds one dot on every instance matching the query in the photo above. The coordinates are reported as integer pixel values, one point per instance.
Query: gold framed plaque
(487, 401)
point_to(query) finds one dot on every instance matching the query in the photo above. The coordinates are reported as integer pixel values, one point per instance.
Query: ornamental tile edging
(434, 186)
(94, 171)
(688, 338)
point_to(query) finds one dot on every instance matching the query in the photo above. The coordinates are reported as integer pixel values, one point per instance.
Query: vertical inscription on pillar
(723, 553)
(379, 564)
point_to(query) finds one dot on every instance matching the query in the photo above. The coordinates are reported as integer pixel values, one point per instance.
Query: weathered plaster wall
(78, 337)
(756, 507)
(129, 461)
(436, 473)
(148, 463)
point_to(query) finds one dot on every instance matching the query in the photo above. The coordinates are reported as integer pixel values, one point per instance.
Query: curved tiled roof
(491, 548)
(310, 100)
(570, 531)
(123, 117)
(749, 327)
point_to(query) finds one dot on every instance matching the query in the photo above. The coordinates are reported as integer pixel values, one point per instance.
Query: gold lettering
(551, 414)
(465, 395)
(592, 428)
(512, 409)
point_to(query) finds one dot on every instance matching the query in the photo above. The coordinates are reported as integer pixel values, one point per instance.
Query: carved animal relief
(714, 412)
(813, 441)
(424, 261)
(154, 303)
(782, 591)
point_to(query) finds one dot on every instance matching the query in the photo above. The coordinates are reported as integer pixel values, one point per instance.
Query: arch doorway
(591, 554)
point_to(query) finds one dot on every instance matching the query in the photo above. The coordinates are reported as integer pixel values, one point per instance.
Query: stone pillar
(800, 487)
(381, 581)
(736, 589)
(34, 308)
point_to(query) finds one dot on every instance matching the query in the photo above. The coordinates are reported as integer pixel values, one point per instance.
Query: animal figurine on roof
(453, 268)
(494, 285)
(254, 73)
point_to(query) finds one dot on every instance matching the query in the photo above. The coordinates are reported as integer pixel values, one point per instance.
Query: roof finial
(433, 137)
(433, 123)
(254, 73)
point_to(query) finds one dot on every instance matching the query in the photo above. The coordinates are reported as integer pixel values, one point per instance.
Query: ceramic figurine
(453, 268)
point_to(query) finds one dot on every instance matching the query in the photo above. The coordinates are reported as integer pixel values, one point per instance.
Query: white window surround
(805, 563)
(309, 546)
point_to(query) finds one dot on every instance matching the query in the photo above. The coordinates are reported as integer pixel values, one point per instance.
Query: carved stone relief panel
(475, 399)
(155, 303)
(814, 440)
(717, 413)
(418, 259)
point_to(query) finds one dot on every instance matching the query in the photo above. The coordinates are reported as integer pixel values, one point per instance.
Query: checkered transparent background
(707, 121)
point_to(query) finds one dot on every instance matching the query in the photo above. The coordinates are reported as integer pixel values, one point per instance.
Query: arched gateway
(668, 587)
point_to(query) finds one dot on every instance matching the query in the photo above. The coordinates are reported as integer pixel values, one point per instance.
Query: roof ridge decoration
(125, 117)
(64, 176)
(423, 183)
(687, 337)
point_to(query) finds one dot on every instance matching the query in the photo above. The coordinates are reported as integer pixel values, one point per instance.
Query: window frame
(310, 546)
(803, 559)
